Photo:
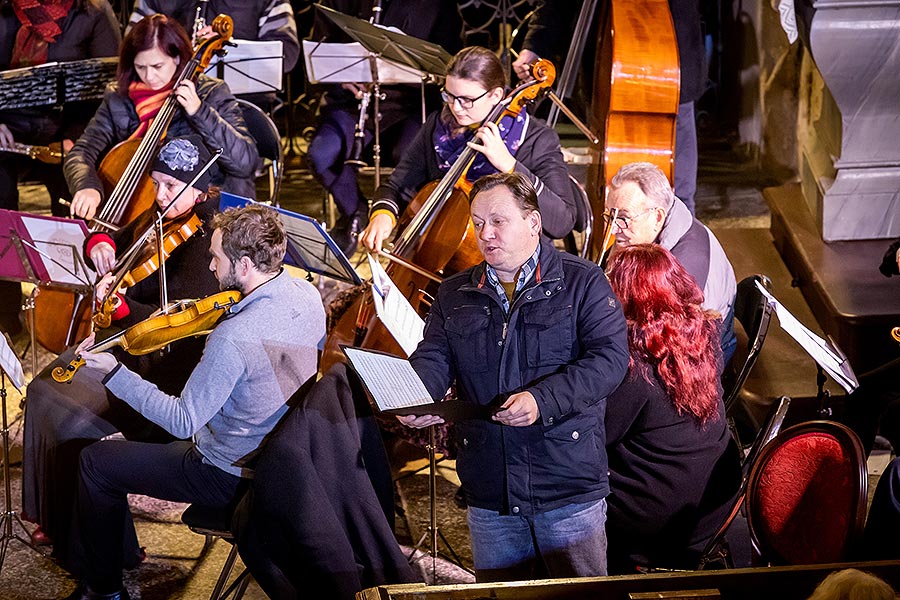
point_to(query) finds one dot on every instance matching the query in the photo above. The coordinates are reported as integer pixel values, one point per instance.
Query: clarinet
(199, 21)
(359, 133)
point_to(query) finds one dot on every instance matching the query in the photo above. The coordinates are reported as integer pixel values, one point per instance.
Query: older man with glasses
(645, 210)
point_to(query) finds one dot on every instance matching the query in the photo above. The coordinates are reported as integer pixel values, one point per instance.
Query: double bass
(436, 238)
(635, 97)
(123, 171)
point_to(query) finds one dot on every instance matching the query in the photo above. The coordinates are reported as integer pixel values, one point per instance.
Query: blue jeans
(569, 541)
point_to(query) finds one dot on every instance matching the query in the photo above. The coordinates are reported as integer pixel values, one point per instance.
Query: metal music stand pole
(433, 533)
(9, 517)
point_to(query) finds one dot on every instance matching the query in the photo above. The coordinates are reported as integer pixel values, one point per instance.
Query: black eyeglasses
(623, 222)
(464, 103)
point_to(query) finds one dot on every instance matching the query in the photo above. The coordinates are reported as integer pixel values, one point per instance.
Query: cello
(124, 171)
(635, 96)
(436, 237)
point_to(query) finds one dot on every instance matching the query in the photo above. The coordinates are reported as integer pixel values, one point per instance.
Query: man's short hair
(652, 181)
(254, 231)
(516, 183)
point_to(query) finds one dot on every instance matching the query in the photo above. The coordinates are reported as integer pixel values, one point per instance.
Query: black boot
(345, 232)
(84, 592)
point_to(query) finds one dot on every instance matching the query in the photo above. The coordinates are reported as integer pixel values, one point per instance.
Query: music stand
(309, 246)
(827, 355)
(427, 58)
(251, 66)
(56, 83)
(45, 251)
(9, 367)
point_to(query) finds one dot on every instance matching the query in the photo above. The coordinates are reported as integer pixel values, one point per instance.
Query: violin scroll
(65, 374)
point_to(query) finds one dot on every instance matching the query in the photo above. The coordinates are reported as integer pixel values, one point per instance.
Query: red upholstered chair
(806, 495)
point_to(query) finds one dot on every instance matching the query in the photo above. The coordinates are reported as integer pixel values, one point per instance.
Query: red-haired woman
(673, 470)
(153, 54)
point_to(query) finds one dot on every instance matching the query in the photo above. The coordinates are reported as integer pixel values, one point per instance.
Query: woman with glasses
(475, 83)
(673, 471)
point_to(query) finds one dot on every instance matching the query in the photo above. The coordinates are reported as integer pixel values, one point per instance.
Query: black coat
(219, 122)
(671, 481)
(315, 521)
(564, 342)
(90, 30)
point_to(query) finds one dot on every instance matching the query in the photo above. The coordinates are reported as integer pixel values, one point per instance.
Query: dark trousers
(883, 525)
(685, 183)
(112, 469)
(333, 144)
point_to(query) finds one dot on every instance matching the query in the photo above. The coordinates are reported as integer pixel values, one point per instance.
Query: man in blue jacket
(539, 337)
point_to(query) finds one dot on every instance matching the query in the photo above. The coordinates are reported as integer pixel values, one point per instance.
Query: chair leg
(224, 574)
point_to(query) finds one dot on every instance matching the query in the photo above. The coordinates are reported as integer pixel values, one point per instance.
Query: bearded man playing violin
(258, 355)
(62, 419)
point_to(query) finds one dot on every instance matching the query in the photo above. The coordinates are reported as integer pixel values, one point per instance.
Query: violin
(175, 233)
(124, 171)
(185, 318)
(436, 237)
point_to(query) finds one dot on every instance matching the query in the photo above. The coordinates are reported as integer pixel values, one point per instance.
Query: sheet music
(391, 380)
(394, 310)
(59, 242)
(10, 364)
(349, 63)
(252, 66)
(822, 351)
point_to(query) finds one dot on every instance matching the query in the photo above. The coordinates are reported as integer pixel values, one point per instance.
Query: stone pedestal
(849, 128)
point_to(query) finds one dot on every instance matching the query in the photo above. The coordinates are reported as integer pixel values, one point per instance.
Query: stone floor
(729, 199)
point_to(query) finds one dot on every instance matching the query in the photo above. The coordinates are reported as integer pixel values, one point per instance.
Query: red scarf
(41, 24)
(147, 103)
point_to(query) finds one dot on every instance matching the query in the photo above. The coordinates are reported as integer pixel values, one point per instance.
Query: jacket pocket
(548, 334)
(470, 440)
(468, 330)
(572, 448)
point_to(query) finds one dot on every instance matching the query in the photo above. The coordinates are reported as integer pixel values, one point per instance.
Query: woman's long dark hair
(150, 32)
(668, 328)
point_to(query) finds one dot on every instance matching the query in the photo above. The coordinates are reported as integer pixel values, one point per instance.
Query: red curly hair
(668, 328)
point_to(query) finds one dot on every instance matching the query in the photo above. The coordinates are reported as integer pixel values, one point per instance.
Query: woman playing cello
(63, 418)
(475, 83)
(152, 55)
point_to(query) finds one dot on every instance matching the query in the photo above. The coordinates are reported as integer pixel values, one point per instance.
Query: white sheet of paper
(391, 380)
(60, 243)
(349, 63)
(394, 310)
(10, 364)
(252, 66)
(817, 347)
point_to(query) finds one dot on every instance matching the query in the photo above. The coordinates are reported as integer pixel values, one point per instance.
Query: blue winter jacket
(564, 341)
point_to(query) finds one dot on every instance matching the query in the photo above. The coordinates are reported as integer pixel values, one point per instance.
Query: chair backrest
(806, 495)
(753, 311)
(770, 428)
(584, 219)
(268, 143)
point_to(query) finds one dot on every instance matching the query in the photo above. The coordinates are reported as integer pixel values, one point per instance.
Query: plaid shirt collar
(530, 267)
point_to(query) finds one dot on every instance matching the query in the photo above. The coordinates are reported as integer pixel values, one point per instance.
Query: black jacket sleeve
(888, 266)
(101, 134)
(220, 123)
(540, 159)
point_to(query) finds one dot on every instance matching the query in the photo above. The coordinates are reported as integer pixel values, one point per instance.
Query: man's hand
(519, 410)
(6, 137)
(85, 203)
(102, 361)
(522, 65)
(358, 89)
(420, 421)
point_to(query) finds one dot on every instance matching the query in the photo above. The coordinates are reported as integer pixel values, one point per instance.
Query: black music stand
(427, 58)
(10, 367)
(309, 247)
(251, 67)
(56, 83)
